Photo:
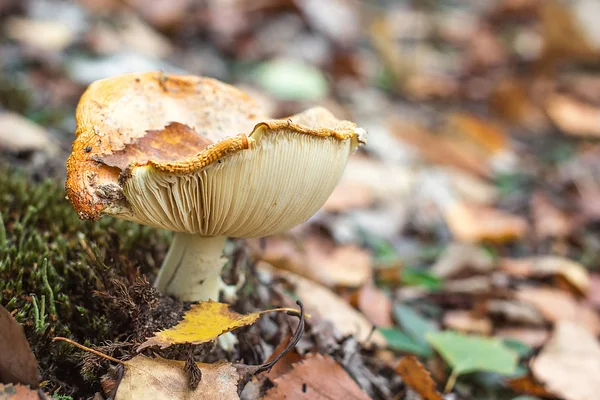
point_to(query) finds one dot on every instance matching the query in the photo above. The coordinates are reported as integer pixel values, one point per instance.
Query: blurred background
(476, 201)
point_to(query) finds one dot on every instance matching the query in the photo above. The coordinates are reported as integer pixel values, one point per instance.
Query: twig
(82, 347)
(293, 342)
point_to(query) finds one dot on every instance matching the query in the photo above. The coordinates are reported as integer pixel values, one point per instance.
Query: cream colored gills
(281, 181)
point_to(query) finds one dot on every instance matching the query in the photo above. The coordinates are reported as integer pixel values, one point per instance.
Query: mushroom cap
(192, 154)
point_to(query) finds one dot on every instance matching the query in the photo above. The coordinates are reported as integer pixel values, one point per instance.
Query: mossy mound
(52, 266)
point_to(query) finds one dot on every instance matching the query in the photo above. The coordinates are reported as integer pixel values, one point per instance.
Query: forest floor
(465, 233)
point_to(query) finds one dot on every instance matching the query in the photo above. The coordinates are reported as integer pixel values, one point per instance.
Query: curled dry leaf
(320, 259)
(317, 377)
(415, 376)
(557, 305)
(162, 379)
(17, 392)
(474, 223)
(205, 321)
(573, 272)
(569, 365)
(320, 300)
(17, 362)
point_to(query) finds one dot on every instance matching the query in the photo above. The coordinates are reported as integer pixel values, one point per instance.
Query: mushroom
(197, 157)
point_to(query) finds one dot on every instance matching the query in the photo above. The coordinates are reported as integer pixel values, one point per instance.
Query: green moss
(51, 264)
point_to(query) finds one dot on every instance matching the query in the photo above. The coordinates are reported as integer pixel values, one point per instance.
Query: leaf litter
(474, 206)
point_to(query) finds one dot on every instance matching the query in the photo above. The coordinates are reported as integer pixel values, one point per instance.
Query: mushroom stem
(192, 268)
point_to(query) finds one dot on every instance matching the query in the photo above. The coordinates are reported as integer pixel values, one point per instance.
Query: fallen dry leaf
(473, 223)
(511, 100)
(465, 321)
(162, 379)
(516, 312)
(320, 259)
(460, 257)
(415, 376)
(205, 321)
(573, 272)
(573, 116)
(41, 35)
(17, 362)
(17, 392)
(529, 385)
(569, 365)
(375, 305)
(320, 300)
(285, 363)
(548, 220)
(557, 305)
(441, 149)
(18, 134)
(317, 378)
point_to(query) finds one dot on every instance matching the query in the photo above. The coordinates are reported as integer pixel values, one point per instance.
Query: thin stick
(82, 347)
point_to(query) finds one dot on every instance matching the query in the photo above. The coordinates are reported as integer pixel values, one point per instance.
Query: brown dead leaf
(347, 196)
(557, 305)
(375, 305)
(490, 136)
(284, 365)
(573, 272)
(529, 385)
(574, 117)
(511, 100)
(320, 259)
(17, 362)
(564, 36)
(548, 220)
(441, 149)
(474, 223)
(465, 321)
(317, 378)
(569, 365)
(516, 312)
(460, 257)
(162, 379)
(17, 392)
(415, 376)
(320, 300)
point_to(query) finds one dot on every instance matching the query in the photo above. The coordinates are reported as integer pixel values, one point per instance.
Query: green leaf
(291, 80)
(470, 353)
(416, 277)
(414, 324)
(522, 349)
(400, 341)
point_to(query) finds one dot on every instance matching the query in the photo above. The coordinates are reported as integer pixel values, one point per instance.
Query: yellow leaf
(204, 322)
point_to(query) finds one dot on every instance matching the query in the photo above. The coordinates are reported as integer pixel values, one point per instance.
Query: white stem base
(192, 268)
